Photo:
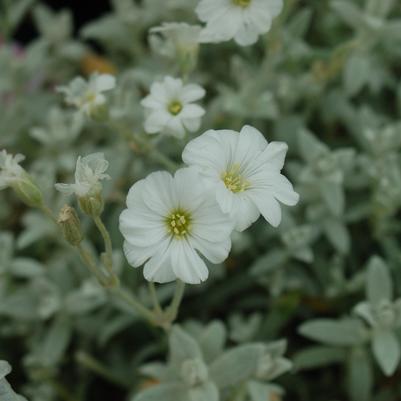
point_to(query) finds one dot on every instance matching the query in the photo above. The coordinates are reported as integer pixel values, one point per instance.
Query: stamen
(179, 223)
(233, 180)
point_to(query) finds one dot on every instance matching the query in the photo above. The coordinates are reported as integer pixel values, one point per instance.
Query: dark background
(83, 11)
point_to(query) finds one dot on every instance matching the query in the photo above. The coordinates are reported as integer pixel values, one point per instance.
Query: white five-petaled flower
(244, 171)
(89, 172)
(87, 96)
(170, 108)
(168, 222)
(10, 170)
(241, 20)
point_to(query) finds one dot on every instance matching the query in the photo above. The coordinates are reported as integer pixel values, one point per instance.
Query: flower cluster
(232, 179)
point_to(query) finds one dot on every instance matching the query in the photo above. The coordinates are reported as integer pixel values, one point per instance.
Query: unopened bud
(28, 191)
(70, 225)
(92, 205)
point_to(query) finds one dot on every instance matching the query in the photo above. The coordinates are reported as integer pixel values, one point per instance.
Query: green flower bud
(70, 225)
(92, 205)
(28, 191)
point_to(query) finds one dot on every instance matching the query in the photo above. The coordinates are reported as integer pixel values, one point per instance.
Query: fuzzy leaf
(344, 332)
(387, 351)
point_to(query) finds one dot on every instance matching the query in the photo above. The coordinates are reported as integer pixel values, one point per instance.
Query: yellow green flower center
(233, 180)
(89, 97)
(242, 3)
(175, 107)
(179, 223)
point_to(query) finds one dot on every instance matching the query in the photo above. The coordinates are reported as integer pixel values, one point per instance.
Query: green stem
(92, 266)
(107, 243)
(176, 302)
(95, 366)
(48, 212)
(155, 299)
(134, 303)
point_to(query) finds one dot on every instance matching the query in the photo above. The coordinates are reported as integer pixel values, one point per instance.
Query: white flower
(10, 170)
(170, 109)
(87, 96)
(241, 20)
(244, 171)
(169, 221)
(89, 171)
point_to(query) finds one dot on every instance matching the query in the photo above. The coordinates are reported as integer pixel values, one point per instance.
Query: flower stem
(134, 303)
(95, 366)
(107, 243)
(155, 299)
(92, 266)
(176, 302)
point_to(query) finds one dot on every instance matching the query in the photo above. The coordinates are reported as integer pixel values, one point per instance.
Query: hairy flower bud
(28, 191)
(70, 225)
(92, 205)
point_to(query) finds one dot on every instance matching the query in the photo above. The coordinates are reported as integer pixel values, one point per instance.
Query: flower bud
(70, 225)
(92, 205)
(28, 191)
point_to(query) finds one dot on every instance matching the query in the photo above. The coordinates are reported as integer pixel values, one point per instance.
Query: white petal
(173, 87)
(67, 189)
(189, 189)
(212, 150)
(159, 269)
(244, 212)
(158, 91)
(224, 197)
(215, 252)
(104, 82)
(192, 111)
(175, 127)
(247, 35)
(152, 102)
(158, 193)
(222, 26)
(191, 93)
(208, 9)
(274, 155)
(267, 205)
(284, 191)
(210, 223)
(276, 185)
(139, 231)
(157, 121)
(250, 144)
(137, 256)
(187, 264)
(192, 124)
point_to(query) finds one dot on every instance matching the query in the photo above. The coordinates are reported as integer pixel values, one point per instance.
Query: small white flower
(87, 96)
(10, 170)
(88, 174)
(244, 171)
(241, 20)
(169, 221)
(170, 109)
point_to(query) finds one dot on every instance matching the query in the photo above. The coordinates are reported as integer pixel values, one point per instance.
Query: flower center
(233, 180)
(89, 97)
(242, 3)
(179, 223)
(175, 107)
